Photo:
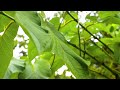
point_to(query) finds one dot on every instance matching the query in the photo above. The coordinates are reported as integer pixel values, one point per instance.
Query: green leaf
(68, 17)
(75, 63)
(104, 14)
(46, 56)
(69, 29)
(32, 51)
(10, 14)
(112, 20)
(55, 21)
(6, 47)
(15, 66)
(4, 21)
(57, 63)
(92, 18)
(111, 29)
(49, 39)
(39, 70)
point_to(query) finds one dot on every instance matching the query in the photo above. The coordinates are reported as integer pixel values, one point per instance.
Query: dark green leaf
(111, 29)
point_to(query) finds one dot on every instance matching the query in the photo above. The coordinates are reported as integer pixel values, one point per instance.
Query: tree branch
(90, 33)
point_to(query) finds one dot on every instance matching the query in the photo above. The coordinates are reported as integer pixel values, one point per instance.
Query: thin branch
(90, 32)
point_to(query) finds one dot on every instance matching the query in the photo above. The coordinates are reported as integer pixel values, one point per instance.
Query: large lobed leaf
(47, 38)
(6, 47)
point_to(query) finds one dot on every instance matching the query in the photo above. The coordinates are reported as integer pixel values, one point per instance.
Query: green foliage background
(90, 49)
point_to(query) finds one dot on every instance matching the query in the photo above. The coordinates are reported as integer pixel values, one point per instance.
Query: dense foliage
(89, 49)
